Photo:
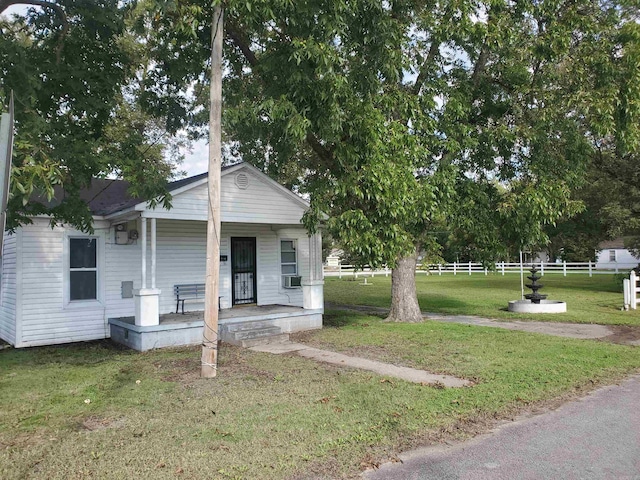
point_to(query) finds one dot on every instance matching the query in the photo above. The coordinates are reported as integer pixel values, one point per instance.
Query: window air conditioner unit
(292, 282)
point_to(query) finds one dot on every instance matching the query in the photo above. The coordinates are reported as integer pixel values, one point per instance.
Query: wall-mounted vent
(242, 180)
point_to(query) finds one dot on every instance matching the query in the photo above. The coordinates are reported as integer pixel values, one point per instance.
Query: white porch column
(147, 300)
(153, 253)
(313, 287)
(143, 239)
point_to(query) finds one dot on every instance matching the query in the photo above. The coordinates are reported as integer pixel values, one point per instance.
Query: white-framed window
(83, 268)
(612, 255)
(288, 263)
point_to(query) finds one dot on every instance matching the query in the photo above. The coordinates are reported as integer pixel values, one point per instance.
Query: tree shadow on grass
(346, 318)
(442, 303)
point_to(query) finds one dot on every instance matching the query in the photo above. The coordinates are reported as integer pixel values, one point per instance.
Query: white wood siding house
(613, 255)
(60, 285)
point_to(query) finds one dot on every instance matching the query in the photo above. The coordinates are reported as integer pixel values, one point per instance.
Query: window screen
(83, 271)
(288, 259)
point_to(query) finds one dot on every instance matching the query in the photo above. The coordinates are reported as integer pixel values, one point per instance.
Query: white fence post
(339, 269)
(469, 267)
(542, 268)
(485, 272)
(590, 270)
(440, 269)
(626, 293)
(633, 280)
(503, 268)
(564, 268)
(454, 268)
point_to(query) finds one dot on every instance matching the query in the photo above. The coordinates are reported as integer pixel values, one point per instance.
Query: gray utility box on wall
(122, 235)
(127, 289)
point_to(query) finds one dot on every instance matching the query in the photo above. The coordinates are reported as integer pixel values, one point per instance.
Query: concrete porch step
(255, 333)
(281, 338)
(251, 334)
(243, 326)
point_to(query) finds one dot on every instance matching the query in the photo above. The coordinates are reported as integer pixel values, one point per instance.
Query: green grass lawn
(589, 300)
(269, 416)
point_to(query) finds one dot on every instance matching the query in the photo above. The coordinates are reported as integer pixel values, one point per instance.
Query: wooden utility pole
(209, 362)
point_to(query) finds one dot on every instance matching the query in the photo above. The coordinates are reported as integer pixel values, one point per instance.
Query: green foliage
(403, 119)
(611, 197)
(76, 111)
(610, 192)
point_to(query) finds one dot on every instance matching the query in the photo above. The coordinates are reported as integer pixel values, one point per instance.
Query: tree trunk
(404, 298)
(209, 362)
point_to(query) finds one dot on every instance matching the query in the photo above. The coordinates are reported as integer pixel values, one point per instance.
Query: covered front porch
(270, 265)
(176, 329)
(172, 252)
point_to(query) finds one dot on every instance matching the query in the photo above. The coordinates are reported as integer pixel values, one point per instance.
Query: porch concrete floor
(226, 315)
(176, 329)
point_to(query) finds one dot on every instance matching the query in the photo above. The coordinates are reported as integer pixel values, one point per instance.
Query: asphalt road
(596, 437)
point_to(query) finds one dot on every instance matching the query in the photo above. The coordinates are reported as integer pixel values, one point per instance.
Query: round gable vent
(242, 180)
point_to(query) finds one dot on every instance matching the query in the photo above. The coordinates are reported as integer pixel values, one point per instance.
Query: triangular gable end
(247, 196)
(267, 179)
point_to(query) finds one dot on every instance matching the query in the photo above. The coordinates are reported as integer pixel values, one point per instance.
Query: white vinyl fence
(469, 268)
(631, 291)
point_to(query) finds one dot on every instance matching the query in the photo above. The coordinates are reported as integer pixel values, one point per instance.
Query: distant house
(613, 255)
(334, 258)
(61, 285)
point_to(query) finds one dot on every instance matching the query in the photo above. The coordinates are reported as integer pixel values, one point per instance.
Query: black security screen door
(243, 270)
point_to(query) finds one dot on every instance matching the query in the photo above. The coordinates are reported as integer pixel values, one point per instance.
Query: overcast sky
(197, 160)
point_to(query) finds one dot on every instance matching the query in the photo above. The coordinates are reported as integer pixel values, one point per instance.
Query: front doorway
(243, 270)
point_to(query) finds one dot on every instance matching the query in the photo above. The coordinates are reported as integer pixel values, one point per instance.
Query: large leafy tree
(612, 210)
(404, 118)
(612, 200)
(621, 214)
(75, 71)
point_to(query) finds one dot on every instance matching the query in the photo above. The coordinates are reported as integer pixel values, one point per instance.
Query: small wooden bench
(192, 291)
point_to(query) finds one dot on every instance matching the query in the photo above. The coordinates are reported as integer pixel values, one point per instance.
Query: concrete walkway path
(386, 369)
(597, 437)
(571, 330)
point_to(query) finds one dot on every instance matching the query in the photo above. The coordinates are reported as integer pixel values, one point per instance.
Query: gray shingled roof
(617, 243)
(106, 196)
